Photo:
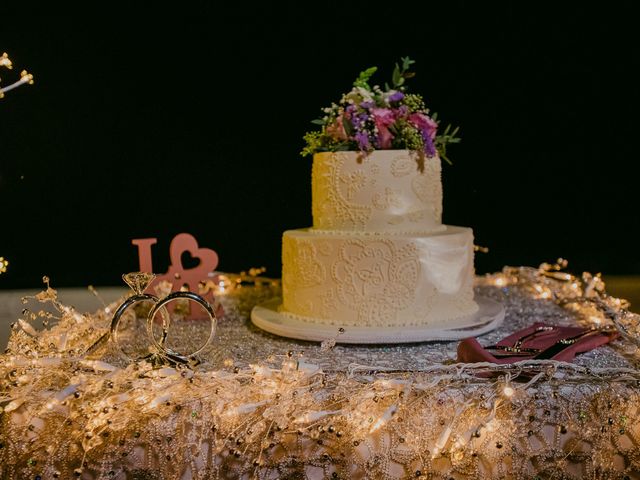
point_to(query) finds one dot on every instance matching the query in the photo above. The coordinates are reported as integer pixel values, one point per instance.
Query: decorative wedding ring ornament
(138, 282)
(160, 307)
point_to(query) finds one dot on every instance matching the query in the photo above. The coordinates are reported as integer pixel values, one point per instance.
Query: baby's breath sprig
(415, 103)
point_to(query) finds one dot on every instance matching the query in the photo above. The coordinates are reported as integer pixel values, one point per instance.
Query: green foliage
(406, 136)
(313, 142)
(364, 77)
(445, 138)
(318, 141)
(401, 73)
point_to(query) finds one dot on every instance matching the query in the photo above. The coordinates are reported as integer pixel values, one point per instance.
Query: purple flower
(359, 119)
(429, 147)
(363, 140)
(428, 128)
(367, 105)
(395, 97)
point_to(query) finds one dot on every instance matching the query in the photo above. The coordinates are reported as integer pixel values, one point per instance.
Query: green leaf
(406, 63)
(348, 127)
(396, 78)
(363, 78)
(342, 147)
(318, 121)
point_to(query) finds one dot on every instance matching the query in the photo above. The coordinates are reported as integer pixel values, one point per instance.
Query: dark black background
(150, 123)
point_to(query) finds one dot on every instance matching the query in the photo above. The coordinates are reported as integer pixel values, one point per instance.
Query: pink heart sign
(177, 274)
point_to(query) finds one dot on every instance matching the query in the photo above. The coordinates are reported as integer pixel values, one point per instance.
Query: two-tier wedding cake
(377, 258)
(378, 253)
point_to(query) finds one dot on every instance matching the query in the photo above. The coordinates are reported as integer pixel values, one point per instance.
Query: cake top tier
(369, 118)
(385, 191)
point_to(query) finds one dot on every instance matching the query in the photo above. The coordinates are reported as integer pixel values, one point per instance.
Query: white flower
(358, 95)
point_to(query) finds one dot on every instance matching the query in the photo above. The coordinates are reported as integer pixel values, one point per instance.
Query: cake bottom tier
(378, 280)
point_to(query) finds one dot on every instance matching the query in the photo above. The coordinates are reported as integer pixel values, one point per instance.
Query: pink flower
(383, 117)
(336, 129)
(425, 124)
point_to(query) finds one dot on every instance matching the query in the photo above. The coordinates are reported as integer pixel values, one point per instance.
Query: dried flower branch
(25, 77)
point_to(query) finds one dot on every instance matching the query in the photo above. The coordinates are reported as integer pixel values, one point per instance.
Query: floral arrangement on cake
(369, 118)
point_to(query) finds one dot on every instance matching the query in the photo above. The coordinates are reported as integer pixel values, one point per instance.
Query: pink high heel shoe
(537, 342)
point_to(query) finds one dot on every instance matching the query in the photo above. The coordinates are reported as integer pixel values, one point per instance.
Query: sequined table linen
(260, 406)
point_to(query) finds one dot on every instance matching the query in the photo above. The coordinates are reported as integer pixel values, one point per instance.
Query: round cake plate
(490, 314)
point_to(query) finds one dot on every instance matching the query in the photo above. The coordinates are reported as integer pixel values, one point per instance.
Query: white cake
(378, 254)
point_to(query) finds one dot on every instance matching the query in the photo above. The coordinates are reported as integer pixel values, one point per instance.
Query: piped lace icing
(376, 281)
(384, 191)
(377, 254)
(330, 205)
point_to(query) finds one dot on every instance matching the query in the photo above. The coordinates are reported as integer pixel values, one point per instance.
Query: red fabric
(470, 350)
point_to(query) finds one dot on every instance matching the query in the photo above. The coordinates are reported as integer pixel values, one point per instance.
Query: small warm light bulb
(544, 293)
(5, 62)
(26, 77)
(508, 391)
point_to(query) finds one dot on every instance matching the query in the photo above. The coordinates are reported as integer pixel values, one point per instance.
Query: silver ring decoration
(171, 355)
(138, 281)
(117, 316)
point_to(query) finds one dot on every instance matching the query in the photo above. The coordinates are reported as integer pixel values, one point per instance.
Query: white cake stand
(490, 314)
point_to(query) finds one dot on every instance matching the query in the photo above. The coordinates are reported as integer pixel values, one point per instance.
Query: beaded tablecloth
(260, 406)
